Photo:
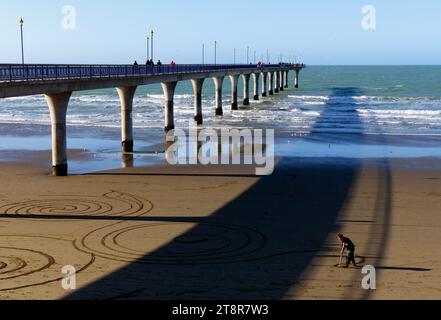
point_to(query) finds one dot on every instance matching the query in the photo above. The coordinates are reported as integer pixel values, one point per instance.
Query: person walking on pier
(135, 67)
(159, 64)
(348, 245)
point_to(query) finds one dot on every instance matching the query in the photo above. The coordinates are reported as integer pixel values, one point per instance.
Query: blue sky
(316, 32)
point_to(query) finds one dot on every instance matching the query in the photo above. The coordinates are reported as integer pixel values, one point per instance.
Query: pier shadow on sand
(255, 247)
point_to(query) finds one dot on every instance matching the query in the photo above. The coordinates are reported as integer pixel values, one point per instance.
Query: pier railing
(47, 72)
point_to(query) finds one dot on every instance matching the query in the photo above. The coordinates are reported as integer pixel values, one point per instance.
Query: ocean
(338, 111)
(397, 100)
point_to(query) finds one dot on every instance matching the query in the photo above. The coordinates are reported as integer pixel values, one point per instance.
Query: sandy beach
(219, 232)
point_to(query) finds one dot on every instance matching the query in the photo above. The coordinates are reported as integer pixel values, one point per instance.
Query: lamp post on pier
(148, 45)
(203, 53)
(21, 22)
(215, 52)
(152, 34)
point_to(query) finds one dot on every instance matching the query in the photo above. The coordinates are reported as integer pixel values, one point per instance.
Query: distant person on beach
(348, 245)
(159, 63)
(135, 63)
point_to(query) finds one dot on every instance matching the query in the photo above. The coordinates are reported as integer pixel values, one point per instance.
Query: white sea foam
(316, 113)
(407, 112)
(361, 99)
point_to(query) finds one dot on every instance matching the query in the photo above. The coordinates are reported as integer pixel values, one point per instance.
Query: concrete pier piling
(58, 103)
(127, 160)
(234, 80)
(286, 78)
(169, 92)
(276, 82)
(271, 84)
(218, 82)
(264, 83)
(197, 90)
(281, 86)
(246, 89)
(296, 81)
(126, 95)
(256, 77)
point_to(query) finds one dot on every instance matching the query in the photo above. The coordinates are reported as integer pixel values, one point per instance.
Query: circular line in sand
(360, 261)
(109, 204)
(23, 267)
(175, 243)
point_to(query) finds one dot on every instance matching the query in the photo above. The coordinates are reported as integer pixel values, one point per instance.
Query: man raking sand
(348, 245)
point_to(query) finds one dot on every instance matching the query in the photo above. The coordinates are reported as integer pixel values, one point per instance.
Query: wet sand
(220, 232)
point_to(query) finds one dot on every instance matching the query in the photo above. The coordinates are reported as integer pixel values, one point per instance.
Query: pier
(58, 82)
